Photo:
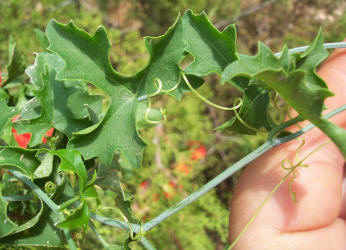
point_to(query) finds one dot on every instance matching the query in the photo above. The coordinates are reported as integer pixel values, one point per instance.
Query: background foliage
(171, 169)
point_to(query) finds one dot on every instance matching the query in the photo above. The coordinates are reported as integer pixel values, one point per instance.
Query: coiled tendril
(159, 90)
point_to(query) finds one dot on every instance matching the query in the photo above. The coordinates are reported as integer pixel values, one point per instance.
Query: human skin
(317, 221)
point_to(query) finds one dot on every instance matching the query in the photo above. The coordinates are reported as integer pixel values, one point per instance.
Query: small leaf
(20, 159)
(42, 38)
(46, 166)
(78, 219)
(254, 109)
(71, 160)
(7, 113)
(16, 63)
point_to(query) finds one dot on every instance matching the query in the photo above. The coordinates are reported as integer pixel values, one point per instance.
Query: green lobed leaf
(117, 130)
(212, 50)
(248, 66)
(86, 57)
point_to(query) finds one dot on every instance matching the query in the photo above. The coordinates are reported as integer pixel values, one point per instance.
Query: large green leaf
(212, 50)
(87, 57)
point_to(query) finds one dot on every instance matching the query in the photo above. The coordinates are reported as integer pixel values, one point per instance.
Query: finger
(318, 187)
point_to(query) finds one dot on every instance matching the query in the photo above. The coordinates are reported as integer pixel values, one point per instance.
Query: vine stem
(99, 237)
(68, 203)
(325, 45)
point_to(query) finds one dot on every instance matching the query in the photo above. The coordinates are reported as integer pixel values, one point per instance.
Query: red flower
(199, 153)
(24, 139)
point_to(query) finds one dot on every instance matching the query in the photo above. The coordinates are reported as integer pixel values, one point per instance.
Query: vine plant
(98, 130)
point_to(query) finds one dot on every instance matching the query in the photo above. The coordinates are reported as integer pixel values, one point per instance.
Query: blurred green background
(171, 170)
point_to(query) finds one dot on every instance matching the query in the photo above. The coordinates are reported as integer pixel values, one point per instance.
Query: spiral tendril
(292, 168)
(241, 120)
(158, 87)
(49, 187)
(206, 100)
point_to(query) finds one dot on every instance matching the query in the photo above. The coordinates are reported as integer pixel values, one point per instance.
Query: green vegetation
(186, 151)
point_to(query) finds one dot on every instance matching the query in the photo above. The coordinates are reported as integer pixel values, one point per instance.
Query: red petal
(23, 139)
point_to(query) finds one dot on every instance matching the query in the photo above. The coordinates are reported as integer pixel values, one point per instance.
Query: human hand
(317, 221)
